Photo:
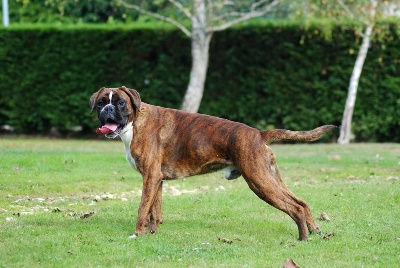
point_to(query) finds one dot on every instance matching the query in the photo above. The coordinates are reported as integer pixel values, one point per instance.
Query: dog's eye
(100, 104)
(121, 103)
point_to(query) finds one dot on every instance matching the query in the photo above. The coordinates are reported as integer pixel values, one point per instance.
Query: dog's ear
(134, 96)
(92, 101)
(93, 98)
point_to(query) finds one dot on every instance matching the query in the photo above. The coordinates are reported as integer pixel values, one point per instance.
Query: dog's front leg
(151, 185)
(155, 211)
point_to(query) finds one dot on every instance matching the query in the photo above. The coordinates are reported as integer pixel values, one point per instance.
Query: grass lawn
(69, 203)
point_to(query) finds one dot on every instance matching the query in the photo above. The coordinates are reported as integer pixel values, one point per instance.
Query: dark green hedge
(265, 75)
(48, 74)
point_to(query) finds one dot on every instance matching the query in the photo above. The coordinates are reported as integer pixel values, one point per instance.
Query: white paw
(132, 236)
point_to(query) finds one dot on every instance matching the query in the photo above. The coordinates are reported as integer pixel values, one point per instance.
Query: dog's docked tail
(275, 135)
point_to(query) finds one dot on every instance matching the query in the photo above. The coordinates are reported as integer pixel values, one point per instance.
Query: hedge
(268, 75)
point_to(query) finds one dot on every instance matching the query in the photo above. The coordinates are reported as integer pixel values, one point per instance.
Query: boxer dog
(165, 144)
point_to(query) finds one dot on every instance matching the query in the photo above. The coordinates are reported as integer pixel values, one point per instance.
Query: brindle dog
(164, 144)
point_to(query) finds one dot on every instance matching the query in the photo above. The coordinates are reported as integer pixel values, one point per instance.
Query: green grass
(47, 185)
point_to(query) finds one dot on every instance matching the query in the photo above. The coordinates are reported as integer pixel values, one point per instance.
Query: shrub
(268, 75)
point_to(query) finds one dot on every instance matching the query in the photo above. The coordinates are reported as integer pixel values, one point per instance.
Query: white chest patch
(126, 137)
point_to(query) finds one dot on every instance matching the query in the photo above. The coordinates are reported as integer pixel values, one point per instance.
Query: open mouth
(109, 127)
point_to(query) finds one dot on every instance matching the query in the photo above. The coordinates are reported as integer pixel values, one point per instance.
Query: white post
(6, 20)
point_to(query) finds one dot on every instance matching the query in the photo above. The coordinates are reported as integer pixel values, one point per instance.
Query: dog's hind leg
(263, 178)
(270, 192)
(312, 227)
(274, 172)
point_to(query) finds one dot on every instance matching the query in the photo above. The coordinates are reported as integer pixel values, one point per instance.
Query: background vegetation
(65, 12)
(269, 75)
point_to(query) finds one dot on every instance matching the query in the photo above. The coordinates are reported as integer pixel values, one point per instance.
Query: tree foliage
(68, 11)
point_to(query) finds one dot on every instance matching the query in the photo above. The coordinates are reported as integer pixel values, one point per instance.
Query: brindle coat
(165, 144)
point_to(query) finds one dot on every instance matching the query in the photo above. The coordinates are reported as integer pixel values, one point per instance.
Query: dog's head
(115, 107)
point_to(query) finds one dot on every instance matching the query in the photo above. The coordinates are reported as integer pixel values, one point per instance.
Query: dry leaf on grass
(328, 235)
(225, 240)
(289, 263)
(324, 217)
(87, 215)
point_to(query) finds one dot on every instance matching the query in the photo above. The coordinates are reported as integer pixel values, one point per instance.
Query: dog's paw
(132, 236)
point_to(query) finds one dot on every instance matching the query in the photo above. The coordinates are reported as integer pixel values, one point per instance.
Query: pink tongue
(107, 128)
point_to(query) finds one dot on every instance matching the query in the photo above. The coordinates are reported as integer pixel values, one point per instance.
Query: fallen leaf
(289, 263)
(87, 215)
(328, 235)
(225, 240)
(324, 217)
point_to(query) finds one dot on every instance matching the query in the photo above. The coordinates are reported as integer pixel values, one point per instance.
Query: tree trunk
(200, 54)
(345, 129)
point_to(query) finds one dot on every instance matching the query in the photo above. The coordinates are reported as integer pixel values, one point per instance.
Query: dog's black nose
(109, 109)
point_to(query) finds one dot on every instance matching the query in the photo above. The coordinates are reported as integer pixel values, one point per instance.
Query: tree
(364, 12)
(367, 12)
(345, 129)
(205, 18)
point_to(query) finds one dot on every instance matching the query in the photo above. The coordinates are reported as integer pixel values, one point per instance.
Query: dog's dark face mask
(115, 108)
